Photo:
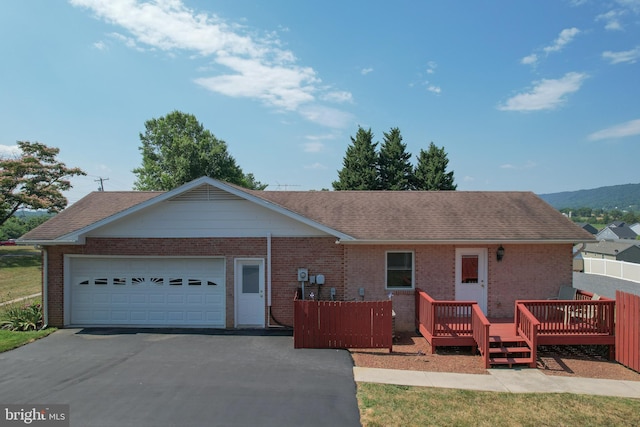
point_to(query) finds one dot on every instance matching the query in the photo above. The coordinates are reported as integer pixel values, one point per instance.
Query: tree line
(177, 149)
(390, 168)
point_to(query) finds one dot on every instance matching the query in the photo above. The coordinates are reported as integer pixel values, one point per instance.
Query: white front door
(250, 302)
(471, 276)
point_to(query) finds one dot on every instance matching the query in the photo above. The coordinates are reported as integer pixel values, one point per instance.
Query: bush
(22, 318)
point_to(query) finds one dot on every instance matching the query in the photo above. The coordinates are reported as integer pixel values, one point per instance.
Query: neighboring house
(588, 227)
(211, 254)
(616, 232)
(618, 251)
(635, 227)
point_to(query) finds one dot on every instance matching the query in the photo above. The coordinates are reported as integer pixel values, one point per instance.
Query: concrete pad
(392, 376)
(525, 381)
(428, 379)
(466, 381)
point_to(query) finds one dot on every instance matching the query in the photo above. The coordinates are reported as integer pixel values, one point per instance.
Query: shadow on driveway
(177, 377)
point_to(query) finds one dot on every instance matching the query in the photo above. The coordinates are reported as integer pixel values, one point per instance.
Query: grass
(20, 276)
(20, 272)
(10, 340)
(390, 405)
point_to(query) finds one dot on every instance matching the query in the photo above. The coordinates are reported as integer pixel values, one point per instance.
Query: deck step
(509, 349)
(502, 338)
(510, 361)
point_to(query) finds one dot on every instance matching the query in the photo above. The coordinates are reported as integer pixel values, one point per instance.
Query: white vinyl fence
(618, 269)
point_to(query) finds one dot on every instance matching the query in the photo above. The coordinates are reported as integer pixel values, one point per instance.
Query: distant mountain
(621, 197)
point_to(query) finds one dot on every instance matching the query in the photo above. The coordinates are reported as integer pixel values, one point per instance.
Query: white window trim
(413, 270)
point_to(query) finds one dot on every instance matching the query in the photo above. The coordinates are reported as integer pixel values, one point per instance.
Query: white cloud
(316, 166)
(565, 37)
(612, 20)
(366, 71)
(9, 151)
(259, 67)
(338, 96)
(529, 164)
(431, 67)
(313, 147)
(630, 128)
(530, 59)
(546, 94)
(280, 86)
(434, 89)
(100, 45)
(630, 56)
(326, 116)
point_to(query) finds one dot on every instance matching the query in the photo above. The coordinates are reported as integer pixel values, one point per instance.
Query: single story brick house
(211, 254)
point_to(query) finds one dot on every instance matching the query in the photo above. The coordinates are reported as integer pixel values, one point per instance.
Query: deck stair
(506, 348)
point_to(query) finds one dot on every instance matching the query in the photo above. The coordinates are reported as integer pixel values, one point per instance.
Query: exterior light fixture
(500, 253)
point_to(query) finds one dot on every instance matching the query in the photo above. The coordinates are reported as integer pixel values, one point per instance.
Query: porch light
(500, 253)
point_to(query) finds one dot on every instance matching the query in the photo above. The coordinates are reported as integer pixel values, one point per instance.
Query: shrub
(22, 317)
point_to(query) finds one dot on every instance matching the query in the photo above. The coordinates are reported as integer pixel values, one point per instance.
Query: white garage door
(147, 291)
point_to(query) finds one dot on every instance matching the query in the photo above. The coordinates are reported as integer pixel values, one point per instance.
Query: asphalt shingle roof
(372, 215)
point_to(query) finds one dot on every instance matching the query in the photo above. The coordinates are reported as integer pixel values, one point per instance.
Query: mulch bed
(413, 352)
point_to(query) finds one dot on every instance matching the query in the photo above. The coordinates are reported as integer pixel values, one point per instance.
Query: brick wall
(319, 255)
(526, 272)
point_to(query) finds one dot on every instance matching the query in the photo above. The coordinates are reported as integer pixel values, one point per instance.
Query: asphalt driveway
(173, 378)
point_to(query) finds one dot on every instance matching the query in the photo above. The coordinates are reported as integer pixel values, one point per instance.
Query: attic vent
(204, 193)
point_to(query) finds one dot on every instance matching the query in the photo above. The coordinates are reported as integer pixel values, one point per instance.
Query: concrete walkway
(503, 380)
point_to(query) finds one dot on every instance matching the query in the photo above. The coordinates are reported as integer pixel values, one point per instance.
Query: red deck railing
(527, 327)
(342, 324)
(450, 323)
(481, 326)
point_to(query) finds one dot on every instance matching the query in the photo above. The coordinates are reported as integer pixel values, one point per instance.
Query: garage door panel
(159, 291)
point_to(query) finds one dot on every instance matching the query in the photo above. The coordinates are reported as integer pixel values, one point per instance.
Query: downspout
(269, 279)
(45, 287)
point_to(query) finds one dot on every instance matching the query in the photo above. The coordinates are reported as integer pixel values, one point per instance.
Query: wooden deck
(514, 341)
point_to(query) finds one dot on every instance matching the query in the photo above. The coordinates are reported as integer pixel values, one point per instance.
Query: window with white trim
(399, 270)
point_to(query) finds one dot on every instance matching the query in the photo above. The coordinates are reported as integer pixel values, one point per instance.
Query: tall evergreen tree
(394, 163)
(359, 166)
(431, 170)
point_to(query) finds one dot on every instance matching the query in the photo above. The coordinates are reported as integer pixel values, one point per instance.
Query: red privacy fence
(342, 324)
(628, 330)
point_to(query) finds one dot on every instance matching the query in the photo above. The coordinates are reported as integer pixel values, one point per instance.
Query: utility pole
(101, 180)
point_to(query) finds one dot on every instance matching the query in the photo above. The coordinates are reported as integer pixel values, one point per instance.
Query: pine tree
(359, 170)
(430, 172)
(394, 163)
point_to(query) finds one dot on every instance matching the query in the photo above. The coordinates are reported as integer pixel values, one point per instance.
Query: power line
(101, 180)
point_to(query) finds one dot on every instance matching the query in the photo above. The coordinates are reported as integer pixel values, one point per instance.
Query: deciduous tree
(34, 179)
(177, 149)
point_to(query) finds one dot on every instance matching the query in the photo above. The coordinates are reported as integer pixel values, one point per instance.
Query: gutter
(461, 242)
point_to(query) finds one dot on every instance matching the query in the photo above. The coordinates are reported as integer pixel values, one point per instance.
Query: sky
(533, 95)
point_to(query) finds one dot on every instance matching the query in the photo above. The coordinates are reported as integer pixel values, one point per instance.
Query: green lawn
(10, 340)
(389, 405)
(20, 272)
